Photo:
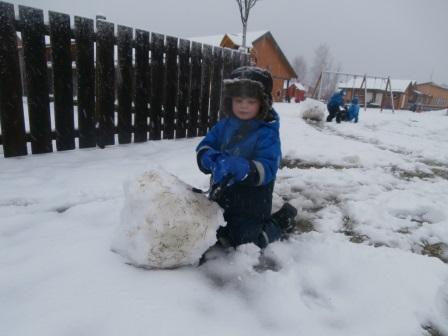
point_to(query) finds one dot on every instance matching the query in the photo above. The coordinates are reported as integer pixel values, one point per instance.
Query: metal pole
(353, 86)
(353, 74)
(365, 93)
(391, 95)
(384, 95)
(320, 85)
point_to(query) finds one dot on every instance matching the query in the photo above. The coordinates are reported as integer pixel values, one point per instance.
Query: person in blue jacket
(335, 106)
(243, 151)
(353, 110)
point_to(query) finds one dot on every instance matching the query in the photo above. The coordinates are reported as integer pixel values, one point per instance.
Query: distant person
(353, 110)
(335, 106)
(413, 107)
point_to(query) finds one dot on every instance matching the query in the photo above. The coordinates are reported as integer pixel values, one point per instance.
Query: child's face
(245, 108)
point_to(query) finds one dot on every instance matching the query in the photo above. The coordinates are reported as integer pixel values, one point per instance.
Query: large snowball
(313, 109)
(163, 223)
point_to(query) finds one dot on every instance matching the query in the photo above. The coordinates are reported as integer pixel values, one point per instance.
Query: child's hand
(209, 158)
(235, 166)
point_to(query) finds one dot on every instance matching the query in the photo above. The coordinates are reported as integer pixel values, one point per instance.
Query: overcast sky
(406, 39)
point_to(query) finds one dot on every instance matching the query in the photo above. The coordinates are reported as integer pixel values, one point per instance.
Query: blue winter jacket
(336, 100)
(353, 112)
(259, 143)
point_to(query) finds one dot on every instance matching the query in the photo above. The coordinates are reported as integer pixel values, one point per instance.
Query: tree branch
(244, 8)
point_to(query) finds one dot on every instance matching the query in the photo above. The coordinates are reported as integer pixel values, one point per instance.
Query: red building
(296, 92)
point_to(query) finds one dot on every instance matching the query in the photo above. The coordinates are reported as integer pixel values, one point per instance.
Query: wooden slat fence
(97, 84)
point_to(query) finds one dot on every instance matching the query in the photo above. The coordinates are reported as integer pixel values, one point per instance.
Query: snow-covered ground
(369, 256)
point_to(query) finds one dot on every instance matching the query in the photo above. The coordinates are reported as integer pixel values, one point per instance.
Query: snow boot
(284, 217)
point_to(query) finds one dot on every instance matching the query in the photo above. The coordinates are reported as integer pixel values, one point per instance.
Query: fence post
(60, 37)
(86, 81)
(105, 89)
(11, 106)
(157, 86)
(246, 59)
(226, 68)
(141, 86)
(171, 87)
(195, 89)
(183, 89)
(124, 42)
(216, 82)
(33, 37)
(227, 63)
(236, 59)
(205, 89)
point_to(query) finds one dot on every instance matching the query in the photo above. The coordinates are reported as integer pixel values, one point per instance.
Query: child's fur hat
(251, 82)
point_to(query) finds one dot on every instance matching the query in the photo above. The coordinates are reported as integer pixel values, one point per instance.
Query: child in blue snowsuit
(353, 110)
(335, 106)
(245, 147)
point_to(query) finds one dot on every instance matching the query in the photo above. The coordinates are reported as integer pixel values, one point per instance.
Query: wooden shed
(296, 92)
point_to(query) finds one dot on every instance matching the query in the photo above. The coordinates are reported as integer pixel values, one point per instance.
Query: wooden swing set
(317, 91)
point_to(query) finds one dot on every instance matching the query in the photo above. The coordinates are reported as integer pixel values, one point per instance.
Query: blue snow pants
(247, 211)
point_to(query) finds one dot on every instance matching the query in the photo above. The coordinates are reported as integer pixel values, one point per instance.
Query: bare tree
(324, 61)
(332, 82)
(245, 6)
(301, 68)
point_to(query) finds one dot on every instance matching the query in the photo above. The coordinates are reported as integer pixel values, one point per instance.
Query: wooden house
(428, 96)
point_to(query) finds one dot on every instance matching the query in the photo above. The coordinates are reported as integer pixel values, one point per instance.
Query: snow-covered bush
(164, 224)
(313, 109)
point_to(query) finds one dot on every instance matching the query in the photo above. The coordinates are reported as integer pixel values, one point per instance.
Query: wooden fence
(132, 85)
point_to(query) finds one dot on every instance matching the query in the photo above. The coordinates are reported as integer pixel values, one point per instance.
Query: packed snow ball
(164, 224)
(313, 109)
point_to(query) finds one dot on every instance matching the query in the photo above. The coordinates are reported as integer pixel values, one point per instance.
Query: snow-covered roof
(398, 85)
(442, 86)
(215, 40)
(250, 37)
(299, 86)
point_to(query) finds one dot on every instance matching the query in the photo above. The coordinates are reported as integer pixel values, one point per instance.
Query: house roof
(213, 40)
(299, 86)
(251, 38)
(398, 85)
(442, 86)
(237, 39)
(282, 55)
